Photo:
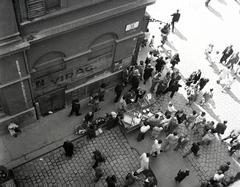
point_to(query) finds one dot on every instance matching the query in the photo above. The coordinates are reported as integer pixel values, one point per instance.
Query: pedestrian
(112, 121)
(98, 158)
(207, 138)
(207, 96)
(135, 82)
(95, 103)
(200, 118)
(101, 92)
(163, 84)
(173, 85)
(217, 178)
(160, 63)
(14, 129)
(156, 79)
(141, 69)
(234, 134)
(143, 130)
(151, 43)
(207, 2)
(220, 128)
(170, 141)
(202, 83)
(88, 118)
(68, 148)
(196, 76)
(156, 148)
(125, 75)
(172, 125)
(171, 110)
(225, 167)
(156, 132)
(235, 146)
(181, 116)
(183, 140)
(98, 173)
(208, 126)
(144, 162)
(147, 73)
(208, 52)
(118, 91)
(192, 93)
(233, 60)
(111, 181)
(228, 83)
(75, 107)
(194, 149)
(175, 18)
(181, 175)
(131, 179)
(174, 60)
(228, 51)
(191, 118)
(146, 38)
(223, 74)
(148, 58)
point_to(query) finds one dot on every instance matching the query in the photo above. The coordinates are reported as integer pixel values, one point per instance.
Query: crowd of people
(159, 70)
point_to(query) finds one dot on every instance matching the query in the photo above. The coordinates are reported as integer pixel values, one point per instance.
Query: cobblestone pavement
(211, 156)
(54, 169)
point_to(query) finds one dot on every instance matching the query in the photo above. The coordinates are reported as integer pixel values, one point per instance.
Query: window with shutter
(35, 8)
(38, 8)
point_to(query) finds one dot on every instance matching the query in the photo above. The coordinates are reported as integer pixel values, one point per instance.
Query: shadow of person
(233, 96)
(215, 68)
(222, 2)
(237, 78)
(208, 109)
(237, 2)
(179, 34)
(212, 103)
(170, 45)
(216, 13)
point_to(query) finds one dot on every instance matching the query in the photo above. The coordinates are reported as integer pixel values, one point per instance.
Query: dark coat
(175, 17)
(227, 53)
(160, 64)
(181, 175)
(147, 73)
(68, 148)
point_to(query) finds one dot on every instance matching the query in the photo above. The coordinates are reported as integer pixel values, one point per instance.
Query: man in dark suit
(175, 18)
(226, 53)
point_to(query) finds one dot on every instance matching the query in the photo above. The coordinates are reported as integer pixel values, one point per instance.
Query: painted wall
(8, 24)
(79, 41)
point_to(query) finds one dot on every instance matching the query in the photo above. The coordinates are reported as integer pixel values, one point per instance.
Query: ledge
(91, 19)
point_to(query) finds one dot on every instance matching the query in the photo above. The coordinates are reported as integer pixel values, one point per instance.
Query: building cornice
(89, 20)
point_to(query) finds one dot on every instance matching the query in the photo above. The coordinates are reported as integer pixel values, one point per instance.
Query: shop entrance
(51, 102)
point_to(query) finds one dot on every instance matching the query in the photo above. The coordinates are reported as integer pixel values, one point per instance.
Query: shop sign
(79, 72)
(132, 26)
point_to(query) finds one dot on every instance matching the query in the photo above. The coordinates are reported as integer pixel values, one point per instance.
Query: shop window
(38, 8)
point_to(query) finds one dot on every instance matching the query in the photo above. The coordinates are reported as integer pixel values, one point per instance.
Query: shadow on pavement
(179, 34)
(233, 96)
(216, 13)
(169, 44)
(237, 2)
(222, 2)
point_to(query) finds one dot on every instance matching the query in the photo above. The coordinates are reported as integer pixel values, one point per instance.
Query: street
(198, 26)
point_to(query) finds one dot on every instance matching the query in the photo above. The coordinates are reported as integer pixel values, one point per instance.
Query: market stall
(137, 112)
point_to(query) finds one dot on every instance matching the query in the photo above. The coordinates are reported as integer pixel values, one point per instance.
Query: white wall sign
(132, 26)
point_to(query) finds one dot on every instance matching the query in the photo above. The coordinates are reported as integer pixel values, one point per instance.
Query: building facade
(53, 51)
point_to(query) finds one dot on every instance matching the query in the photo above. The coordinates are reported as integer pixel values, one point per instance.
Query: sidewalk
(46, 134)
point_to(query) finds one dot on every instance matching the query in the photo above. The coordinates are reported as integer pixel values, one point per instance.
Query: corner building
(53, 51)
